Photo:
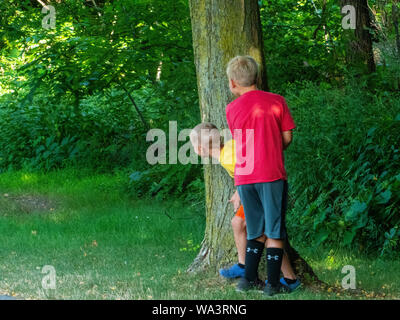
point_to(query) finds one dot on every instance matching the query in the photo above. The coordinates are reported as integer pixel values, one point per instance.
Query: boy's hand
(235, 200)
(287, 137)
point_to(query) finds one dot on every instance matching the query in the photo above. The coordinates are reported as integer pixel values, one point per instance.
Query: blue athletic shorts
(265, 206)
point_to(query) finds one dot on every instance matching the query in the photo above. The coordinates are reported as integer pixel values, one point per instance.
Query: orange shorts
(240, 213)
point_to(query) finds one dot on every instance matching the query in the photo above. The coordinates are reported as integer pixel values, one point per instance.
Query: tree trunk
(395, 16)
(359, 55)
(221, 30)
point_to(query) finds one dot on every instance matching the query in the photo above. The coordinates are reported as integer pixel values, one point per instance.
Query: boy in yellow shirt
(206, 141)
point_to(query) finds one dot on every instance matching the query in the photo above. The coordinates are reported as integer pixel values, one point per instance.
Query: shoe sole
(280, 292)
(227, 278)
(295, 289)
(250, 290)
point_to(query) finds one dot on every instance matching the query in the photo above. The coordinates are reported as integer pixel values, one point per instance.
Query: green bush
(163, 181)
(103, 132)
(29, 138)
(344, 167)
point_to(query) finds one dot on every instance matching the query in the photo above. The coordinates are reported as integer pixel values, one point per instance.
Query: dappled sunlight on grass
(29, 178)
(376, 277)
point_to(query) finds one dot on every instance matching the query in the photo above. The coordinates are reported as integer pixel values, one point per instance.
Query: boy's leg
(274, 260)
(273, 197)
(255, 230)
(287, 270)
(286, 267)
(239, 234)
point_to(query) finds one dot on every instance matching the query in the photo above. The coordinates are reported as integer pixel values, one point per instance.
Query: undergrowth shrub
(344, 168)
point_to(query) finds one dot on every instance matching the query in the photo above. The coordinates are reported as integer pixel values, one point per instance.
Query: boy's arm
(287, 137)
(287, 125)
(235, 200)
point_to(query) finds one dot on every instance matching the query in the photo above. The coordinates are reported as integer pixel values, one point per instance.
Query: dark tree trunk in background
(360, 56)
(395, 16)
(222, 30)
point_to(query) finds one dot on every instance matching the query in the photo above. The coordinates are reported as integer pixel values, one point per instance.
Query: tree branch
(43, 4)
(146, 125)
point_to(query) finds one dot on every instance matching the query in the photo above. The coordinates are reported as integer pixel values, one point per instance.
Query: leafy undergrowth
(343, 168)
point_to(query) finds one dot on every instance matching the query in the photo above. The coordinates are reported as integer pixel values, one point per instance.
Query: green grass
(106, 245)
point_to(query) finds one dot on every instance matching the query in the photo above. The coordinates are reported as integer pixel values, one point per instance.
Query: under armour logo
(269, 257)
(254, 250)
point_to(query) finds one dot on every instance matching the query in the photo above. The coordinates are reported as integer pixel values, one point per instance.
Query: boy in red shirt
(261, 124)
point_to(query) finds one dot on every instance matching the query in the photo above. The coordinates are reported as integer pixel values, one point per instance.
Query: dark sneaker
(233, 272)
(293, 286)
(246, 285)
(269, 290)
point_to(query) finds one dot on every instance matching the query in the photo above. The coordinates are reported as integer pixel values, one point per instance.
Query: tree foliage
(84, 94)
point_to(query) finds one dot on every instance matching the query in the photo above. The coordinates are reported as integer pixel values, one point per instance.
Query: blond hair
(205, 134)
(244, 70)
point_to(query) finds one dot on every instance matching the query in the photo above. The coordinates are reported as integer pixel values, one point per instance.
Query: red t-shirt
(261, 117)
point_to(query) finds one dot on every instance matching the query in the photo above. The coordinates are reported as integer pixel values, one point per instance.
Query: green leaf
(40, 149)
(391, 233)
(356, 209)
(359, 206)
(46, 155)
(321, 217)
(384, 197)
(371, 131)
(321, 236)
(361, 222)
(348, 237)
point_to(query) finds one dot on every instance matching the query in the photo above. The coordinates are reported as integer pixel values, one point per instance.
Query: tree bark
(395, 16)
(223, 29)
(359, 55)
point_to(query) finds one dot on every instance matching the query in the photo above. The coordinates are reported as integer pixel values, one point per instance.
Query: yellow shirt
(227, 157)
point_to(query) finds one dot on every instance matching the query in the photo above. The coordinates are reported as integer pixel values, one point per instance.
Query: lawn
(104, 244)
